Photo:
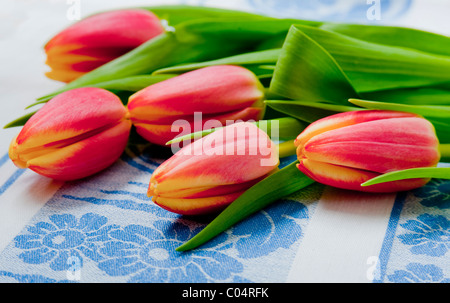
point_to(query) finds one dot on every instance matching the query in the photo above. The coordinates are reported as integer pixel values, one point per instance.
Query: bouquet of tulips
(358, 107)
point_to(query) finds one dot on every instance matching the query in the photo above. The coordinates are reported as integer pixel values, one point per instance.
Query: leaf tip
(184, 247)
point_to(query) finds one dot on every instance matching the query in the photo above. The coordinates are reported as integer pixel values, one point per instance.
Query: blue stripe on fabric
(11, 180)
(390, 235)
(4, 159)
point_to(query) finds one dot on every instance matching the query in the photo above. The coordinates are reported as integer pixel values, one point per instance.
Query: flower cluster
(85, 128)
(83, 131)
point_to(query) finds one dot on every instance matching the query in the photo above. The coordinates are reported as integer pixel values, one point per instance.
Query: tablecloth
(105, 229)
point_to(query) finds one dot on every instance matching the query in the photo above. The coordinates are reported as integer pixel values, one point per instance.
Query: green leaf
(251, 58)
(20, 121)
(308, 111)
(306, 71)
(444, 149)
(130, 84)
(321, 65)
(278, 185)
(375, 66)
(283, 128)
(428, 172)
(436, 111)
(420, 95)
(394, 36)
(176, 14)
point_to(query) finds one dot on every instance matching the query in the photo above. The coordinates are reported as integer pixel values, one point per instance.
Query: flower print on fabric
(435, 194)
(148, 254)
(276, 228)
(418, 273)
(62, 238)
(138, 253)
(428, 235)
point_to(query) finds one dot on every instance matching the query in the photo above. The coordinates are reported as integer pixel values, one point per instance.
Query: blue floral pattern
(146, 253)
(429, 235)
(418, 273)
(435, 194)
(63, 237)
(422, 233)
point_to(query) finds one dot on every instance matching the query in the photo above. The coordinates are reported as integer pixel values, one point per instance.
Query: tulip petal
(90, 109)
(71, 144)
(228, 156)
(351, 178)
(63, 75)
(346, 119)
(208, 90)
(373, 156)
(379, 146)
(85, 157)
(200, 192)
(212, 172)
(405, 131)
(163, 133)
(198, 206)
(97, 40)
(129, 28)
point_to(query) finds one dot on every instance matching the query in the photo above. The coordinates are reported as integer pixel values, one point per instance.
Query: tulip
(219, 93)
(347, 149)
(210, 173)
(76, 134)
(98, 39)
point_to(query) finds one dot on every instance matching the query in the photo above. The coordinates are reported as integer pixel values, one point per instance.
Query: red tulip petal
(98, 39)
(210, 90)
(345, 119)
(90, 109)
(351, 178)
(163, 133)
(85, 157)
(199, 206)
(123, 28)
(378, 146)
(232, 155)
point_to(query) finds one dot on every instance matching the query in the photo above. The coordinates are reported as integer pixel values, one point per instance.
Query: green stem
(286, 149)
(445, 150)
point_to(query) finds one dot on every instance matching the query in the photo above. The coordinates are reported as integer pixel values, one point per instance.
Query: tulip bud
(76, 134)
(207, 175)
(219, 93)
(347, 149)
(98, 39)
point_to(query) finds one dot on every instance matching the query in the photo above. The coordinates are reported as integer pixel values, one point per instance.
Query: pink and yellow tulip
(76, 134)
(220, 93)
(347, 149)
(207, 175)
(98, 39)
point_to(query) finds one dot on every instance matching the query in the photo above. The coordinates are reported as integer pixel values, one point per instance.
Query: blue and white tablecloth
(105, 228)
